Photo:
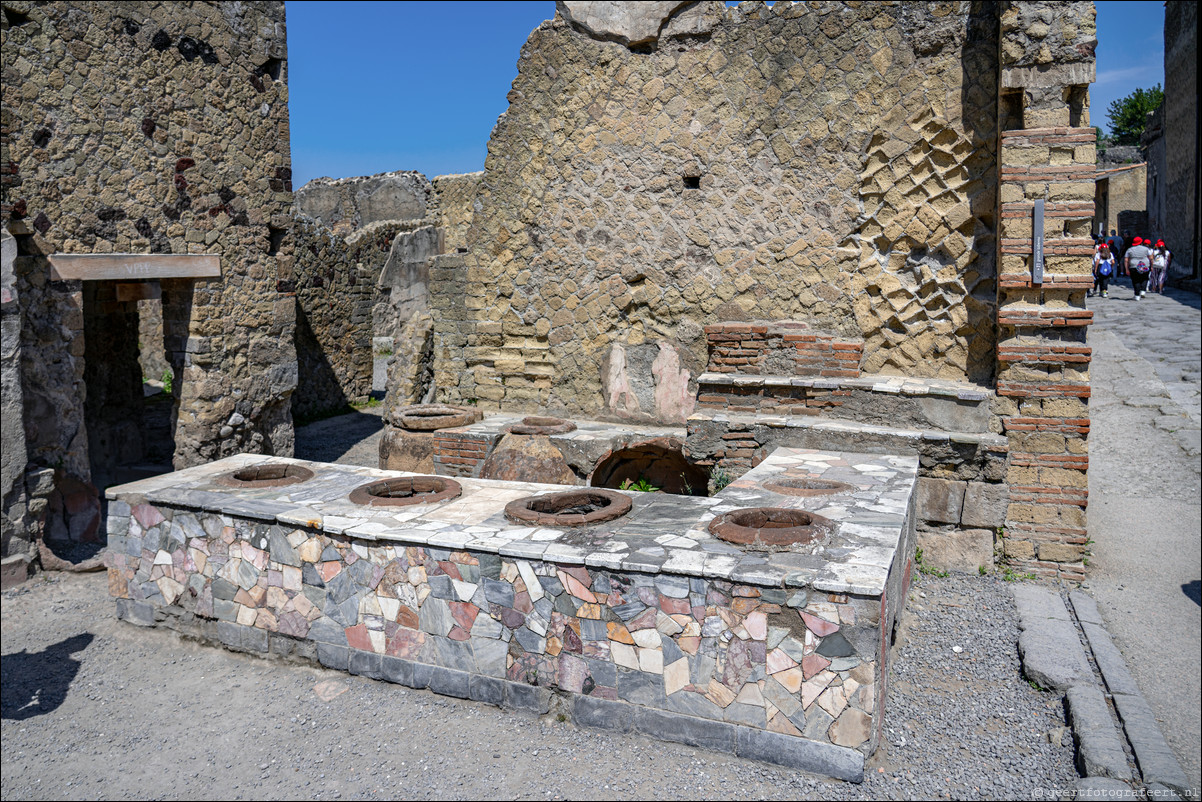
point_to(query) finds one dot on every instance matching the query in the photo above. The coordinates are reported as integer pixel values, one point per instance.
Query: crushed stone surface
(96, 708)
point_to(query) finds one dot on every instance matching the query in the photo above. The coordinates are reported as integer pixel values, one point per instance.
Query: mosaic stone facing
(646, 622)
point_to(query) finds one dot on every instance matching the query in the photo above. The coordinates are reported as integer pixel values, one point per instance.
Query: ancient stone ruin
(816, 272)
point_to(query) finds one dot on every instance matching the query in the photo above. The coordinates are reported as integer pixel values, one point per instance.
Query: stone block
(366, 664)
(962, 550)
(138, 613)
(13, 571)
(1155, 759)
(229, 634)
(1061, 552)
(1097, 789)
(449, 682)
(940, 500)
(985, 505)
(397, 670)
(590, 712)
(1052, 656)
(1099, 750)
(685, 729)
(800, 753)
(486, 689)
(530, 698)
(255, 640)
(333, 656)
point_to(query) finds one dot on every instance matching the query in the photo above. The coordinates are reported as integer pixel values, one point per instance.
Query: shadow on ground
(36, 683)
(327, 440)
(1193, 591)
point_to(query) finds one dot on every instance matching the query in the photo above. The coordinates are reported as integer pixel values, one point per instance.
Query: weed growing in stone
(642, 486)
(924, 568)
(720, 478)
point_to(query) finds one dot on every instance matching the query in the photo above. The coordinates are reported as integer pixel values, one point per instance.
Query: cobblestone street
(1144, 491)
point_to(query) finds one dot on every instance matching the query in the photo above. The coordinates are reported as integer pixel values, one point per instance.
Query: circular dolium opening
(536, 424)
(570, 508)
(804, 486)
(770, 527)
(406, 491)
(270, 474)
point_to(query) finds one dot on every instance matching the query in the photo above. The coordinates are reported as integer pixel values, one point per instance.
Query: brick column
(1046, 152)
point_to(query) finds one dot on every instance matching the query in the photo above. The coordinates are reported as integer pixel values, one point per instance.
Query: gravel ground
(94, 708)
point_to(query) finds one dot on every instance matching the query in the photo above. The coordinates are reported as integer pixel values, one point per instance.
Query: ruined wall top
(1047, 43)
(347, 204)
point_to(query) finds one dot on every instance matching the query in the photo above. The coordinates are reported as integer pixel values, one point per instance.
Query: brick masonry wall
(755, 171)
(163, 128)
(1047, 152)
(787, 348)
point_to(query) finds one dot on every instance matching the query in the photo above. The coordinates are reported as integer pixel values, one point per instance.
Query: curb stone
(1052, 654)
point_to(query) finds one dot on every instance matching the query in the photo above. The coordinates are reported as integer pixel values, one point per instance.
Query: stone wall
(822, 162)
(334, 282)
(1181, 136)
(1047, 153)
(150, 128)
(455, 196)
(348, 204)
(1153, 144)
(1121, 199)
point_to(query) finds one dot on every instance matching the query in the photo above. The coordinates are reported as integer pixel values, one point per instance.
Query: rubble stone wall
(1181, 136)
(335, 288)
(151, 128)
(825, 162)
(348, 204)
(456, 199)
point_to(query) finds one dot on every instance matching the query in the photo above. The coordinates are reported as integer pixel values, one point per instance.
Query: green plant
(981, 570)
(384, 351)
(642, 486)
(720, 478)
(168, 379)
(471, 402)
(1035, 686)
(1128, 116)
(561, 717)
(371, 403)
(924, 568)
(1008, 575)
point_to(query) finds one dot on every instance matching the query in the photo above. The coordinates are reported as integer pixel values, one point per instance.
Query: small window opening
(1012, 111)
(692, 182)
(1077, 97)
(275, 238)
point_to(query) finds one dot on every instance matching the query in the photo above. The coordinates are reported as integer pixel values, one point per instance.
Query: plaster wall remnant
(145, 128)
(348, 204)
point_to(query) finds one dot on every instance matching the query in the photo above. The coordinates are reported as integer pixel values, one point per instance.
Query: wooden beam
(136, 266)
(139, 291)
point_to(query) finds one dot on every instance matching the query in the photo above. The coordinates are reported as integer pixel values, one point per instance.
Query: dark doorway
(129, 382)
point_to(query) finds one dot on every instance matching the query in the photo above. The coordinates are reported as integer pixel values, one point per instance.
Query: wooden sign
(133, 266)
(1037, 243)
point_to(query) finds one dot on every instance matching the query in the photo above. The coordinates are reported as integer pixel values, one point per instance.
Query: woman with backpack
(1103, 269)
(1162, 259)
(1138, 261)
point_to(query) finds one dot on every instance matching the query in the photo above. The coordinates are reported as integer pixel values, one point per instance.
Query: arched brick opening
(658, 462)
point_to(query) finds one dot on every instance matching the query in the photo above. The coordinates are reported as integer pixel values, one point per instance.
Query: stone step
(892, 402)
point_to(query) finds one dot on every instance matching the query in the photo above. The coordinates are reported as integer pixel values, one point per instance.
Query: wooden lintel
(139, 291)
(133, 266)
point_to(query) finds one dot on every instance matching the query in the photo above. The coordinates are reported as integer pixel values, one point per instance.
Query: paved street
(1144, 490)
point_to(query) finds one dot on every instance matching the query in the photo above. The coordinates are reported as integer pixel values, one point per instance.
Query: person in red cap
(1162, 259)
(1138, 261)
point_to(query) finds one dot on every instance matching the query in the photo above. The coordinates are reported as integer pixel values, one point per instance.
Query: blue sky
(377, 86)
